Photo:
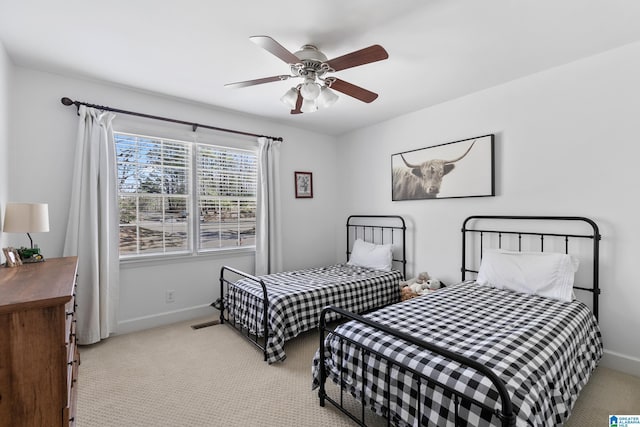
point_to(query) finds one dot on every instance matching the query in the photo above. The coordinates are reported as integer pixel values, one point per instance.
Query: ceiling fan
(311, 65)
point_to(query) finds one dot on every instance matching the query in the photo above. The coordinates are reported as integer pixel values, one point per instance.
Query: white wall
(566, 144)
(43, 134)
(5, 67)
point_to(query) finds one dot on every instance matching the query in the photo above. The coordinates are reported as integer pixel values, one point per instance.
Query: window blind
(159, 189)
(227, 185)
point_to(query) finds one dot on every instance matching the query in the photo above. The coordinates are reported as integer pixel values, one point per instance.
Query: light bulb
(308, 106)
(310, 89)
(290, 98)
(327, 98)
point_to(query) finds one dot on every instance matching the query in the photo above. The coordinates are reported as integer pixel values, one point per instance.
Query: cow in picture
(423, 180)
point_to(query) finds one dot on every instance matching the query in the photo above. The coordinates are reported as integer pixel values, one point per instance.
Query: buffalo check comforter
(543, 350)
(296, 298)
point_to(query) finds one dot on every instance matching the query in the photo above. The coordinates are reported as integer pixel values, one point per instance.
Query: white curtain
(268, 222)
(92, 230)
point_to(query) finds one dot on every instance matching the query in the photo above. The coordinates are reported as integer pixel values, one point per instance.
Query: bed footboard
(230, 319)
(505, 415)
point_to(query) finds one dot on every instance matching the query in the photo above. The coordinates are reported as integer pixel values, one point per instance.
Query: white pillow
(538, 273)
(365, 254)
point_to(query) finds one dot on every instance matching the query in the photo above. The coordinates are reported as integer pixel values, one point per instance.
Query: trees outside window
(159, 189)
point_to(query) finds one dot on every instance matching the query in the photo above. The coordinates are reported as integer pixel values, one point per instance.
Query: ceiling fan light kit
(290, 98)
(312, 65)
(308, 106)
(310, 89)
(326, 98)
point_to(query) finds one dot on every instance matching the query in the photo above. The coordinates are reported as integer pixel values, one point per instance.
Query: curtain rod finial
(66, 101)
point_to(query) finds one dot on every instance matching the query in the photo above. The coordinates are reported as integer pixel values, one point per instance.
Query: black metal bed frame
(358, 226)
(360, 230)
(505, 415)
(595, 236)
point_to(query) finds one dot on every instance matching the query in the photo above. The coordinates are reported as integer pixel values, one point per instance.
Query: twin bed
(272, 309)
(511, 347)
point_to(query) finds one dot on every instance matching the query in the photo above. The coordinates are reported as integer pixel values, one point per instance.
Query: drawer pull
(69, 313)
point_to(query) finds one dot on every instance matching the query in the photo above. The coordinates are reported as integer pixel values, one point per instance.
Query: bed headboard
(565, 234)
(380, 229)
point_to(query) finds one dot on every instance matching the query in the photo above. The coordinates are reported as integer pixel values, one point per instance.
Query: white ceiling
(438, 49)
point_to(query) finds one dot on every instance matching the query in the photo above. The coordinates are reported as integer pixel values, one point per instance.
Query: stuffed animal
(422, 278)
(414, 287)
(433, 284)
(406, 293)
(418, 288)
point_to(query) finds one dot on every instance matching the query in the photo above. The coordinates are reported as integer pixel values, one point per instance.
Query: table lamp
(27, 218)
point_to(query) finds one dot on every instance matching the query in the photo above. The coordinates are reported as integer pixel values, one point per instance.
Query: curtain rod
(68, 102)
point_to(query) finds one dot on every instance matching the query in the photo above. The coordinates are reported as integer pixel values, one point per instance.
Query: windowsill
(179, 258)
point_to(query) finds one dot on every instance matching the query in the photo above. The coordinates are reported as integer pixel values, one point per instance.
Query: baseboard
(621, 362)
(166, 318)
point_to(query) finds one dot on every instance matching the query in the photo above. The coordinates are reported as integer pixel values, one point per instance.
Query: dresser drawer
(70, 319)
(72, 363)
(71, 409)
(72, 382)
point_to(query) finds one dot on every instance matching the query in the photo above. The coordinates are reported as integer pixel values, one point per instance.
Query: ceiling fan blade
(353, 90)
(275, 48)
(258, 81)
(298, 105)
(359, 57)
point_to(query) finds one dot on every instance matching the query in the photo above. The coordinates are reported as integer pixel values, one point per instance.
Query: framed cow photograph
(456, 169)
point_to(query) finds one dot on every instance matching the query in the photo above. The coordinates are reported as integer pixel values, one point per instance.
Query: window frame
(193, 225)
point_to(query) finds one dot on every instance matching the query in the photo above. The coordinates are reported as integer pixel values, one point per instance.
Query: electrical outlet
(170, 296)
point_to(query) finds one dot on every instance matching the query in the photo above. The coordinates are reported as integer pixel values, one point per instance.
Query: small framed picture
(304, 185)
(12, 257)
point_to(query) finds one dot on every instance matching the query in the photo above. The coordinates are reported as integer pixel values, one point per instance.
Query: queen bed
(511, 347)
(271, 309)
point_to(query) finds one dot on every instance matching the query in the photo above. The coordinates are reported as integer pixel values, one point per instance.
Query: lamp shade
(327, 98)
(26, 218)
(310, 89)
(308, 106)
(290, 98)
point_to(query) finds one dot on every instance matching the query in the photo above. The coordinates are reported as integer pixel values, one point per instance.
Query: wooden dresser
(38, 354)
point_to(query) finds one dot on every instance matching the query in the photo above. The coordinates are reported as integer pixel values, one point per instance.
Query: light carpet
(178, 376)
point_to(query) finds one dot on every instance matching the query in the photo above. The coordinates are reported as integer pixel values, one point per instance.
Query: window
(161, 182)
